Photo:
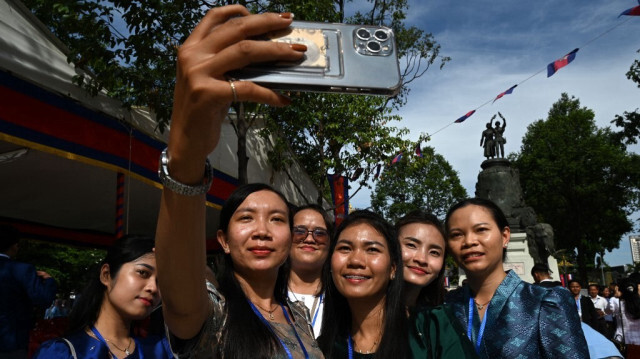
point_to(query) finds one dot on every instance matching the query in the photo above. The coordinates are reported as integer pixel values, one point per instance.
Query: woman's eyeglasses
(300, 233)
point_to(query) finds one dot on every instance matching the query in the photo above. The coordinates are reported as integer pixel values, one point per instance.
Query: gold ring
(233, 90)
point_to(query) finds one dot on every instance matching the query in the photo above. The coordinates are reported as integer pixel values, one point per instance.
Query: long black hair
(87, 307)
(432, 294)
(495, 211)
(629, 289)
(336, 319)
(245, 335)
(329, 224)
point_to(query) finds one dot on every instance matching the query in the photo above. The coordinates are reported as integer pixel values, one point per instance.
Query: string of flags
(551, 68)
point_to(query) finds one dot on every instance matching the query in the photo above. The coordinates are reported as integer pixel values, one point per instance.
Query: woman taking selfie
(249, 317)
(504, 316)
(365, 315)
(421, 238)
(312, 228)
(120, 292)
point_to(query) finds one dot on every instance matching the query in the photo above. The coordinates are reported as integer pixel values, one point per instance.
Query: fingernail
(287, 15)
(298, 47)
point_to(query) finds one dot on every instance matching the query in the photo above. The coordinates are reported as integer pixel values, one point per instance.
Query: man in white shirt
(600, 304)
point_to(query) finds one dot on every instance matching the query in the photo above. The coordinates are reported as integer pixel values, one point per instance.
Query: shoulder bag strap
(72, 348)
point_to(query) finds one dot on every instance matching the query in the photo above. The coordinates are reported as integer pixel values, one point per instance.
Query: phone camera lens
(373, 46)
(381, 35)
(363, 34)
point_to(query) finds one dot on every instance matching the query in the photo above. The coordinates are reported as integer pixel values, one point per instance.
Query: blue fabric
(86, 347)
(20, 290)
(525, 321)
(599, 346)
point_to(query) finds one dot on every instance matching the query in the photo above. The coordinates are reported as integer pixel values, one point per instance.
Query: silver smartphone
(340, 58)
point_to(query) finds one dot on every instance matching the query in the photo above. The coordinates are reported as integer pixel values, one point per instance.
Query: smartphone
(340, 58)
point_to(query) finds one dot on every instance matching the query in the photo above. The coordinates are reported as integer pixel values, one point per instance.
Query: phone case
(340, 58)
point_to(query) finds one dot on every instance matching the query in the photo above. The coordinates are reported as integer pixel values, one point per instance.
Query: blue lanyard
(313, 322)
(482, 325)
(286, 349)
(100, 338)
(350, 347)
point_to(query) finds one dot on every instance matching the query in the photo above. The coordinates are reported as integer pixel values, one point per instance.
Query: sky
(497, 44)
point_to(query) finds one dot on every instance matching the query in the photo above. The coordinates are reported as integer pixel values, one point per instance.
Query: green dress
(433, 334)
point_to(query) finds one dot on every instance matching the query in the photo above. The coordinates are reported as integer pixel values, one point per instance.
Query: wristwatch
(181, 188)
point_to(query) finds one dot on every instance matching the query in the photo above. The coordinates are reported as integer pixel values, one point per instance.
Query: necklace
(481, 306)
(271, 317)
(375, 342)
(125, 350)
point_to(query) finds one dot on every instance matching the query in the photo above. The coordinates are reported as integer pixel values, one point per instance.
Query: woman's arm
(201, 102)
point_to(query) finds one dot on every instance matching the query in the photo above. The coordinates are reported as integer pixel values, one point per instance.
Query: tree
(630, 121)
(427, 183)
(350, 134)
(129, 48)
(580, 179)
(70, 266)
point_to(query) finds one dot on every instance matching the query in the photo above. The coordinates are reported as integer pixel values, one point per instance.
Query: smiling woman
(421, 238)
(122, 290)
(365, 315)
(504, 316)
(312, 229)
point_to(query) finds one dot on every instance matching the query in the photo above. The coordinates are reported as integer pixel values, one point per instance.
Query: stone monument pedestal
(531, 242)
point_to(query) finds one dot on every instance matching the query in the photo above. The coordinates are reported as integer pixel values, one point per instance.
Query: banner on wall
(340, 194)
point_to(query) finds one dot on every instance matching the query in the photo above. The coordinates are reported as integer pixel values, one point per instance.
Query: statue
(499, 139)
(487, 141)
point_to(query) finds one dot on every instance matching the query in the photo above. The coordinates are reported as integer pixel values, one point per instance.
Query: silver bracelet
(181, 188)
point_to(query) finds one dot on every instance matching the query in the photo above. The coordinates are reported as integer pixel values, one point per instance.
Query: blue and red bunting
(419, 151)
(553, 67)
(466, 116)
(397, 158)
(508, 92)
(378, 168)
(634, 11)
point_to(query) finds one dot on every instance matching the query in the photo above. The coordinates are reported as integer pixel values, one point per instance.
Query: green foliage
(128, 49)
(68, 265)
(333, 133)
(427, 183)
(630, 121)
(580, 179)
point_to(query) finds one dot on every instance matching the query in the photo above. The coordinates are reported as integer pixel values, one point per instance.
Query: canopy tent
(76, 168)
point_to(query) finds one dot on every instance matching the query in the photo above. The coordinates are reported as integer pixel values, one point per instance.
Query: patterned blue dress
(524, 321)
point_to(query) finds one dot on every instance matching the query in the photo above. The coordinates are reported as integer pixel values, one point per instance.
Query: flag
(508, 92)
(461, 119)
(560, 63)
(340, 193)
(357, 173)
(397, 158)
(377, 172)
(419, 151)
(634, 11)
